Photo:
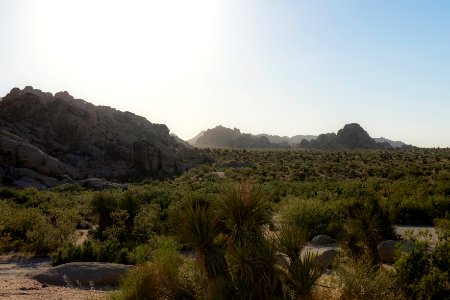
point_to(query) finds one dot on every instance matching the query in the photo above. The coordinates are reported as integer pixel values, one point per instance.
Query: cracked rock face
(59, 137)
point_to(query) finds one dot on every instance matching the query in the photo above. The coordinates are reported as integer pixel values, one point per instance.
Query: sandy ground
(425, 233)
(15, 282)
(82, 236)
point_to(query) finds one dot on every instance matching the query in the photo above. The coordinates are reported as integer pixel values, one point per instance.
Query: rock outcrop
(45, 139)
(322, 239)
(352, 136)
(390, 250)
(83, 274)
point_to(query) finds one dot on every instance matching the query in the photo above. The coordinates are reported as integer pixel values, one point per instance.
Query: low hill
(46, 139)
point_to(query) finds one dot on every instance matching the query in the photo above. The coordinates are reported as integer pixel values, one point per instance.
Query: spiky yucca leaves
(198, 229)
(367, 224)
(252, 270)
(244, 209)
(291, 240)
(302, 273)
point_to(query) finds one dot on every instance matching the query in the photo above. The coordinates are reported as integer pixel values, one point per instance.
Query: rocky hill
(222, 137)
(46, 140)
(352, 136)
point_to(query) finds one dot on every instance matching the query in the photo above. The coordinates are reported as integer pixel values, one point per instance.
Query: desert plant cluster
(239, 228)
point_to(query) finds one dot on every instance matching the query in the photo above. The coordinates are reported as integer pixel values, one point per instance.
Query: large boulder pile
(45, 139)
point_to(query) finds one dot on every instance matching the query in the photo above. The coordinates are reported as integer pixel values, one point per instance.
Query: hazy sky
(278, 67)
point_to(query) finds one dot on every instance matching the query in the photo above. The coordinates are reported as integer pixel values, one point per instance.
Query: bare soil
(15, 282)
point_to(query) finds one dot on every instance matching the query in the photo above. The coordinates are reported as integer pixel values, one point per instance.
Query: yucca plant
(244, 210)
(198, 229)
(367, 224)
(291, 240)
(302, 273)
(252, 270)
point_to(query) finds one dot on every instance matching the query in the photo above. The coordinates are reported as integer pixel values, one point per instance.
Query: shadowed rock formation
(46, 138)
(352, 136)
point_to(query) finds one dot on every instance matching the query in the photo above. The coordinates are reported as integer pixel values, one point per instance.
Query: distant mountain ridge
(352, 136)
(394, 144)
(276, 139)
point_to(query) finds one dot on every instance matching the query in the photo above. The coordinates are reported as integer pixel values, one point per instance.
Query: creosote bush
(423, 272)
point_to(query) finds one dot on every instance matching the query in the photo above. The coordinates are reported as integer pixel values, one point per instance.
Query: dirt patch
(15, 282)
(424, 233)
(82, 236)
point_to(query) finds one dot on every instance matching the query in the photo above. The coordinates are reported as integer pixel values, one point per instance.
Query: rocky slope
(195, 138)
(46, 140)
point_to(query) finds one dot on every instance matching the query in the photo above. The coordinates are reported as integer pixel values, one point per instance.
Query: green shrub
(359, 280)
(29, 230)
(423, 273)
(157, 279)
(316, 216)
(146, 223)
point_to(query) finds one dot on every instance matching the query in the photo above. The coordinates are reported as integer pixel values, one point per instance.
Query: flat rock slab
(83, 274)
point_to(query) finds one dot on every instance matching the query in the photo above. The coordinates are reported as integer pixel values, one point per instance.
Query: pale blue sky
(278, 67)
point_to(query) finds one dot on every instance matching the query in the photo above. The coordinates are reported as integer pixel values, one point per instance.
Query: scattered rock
(324, 255)
(325, 258)
(83, 274)
(389, 250)
(322, 240)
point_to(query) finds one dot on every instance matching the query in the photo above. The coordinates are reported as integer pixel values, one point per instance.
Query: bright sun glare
(148, 41)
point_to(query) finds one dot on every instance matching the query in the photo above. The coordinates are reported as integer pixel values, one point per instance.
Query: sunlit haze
(277, 67)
